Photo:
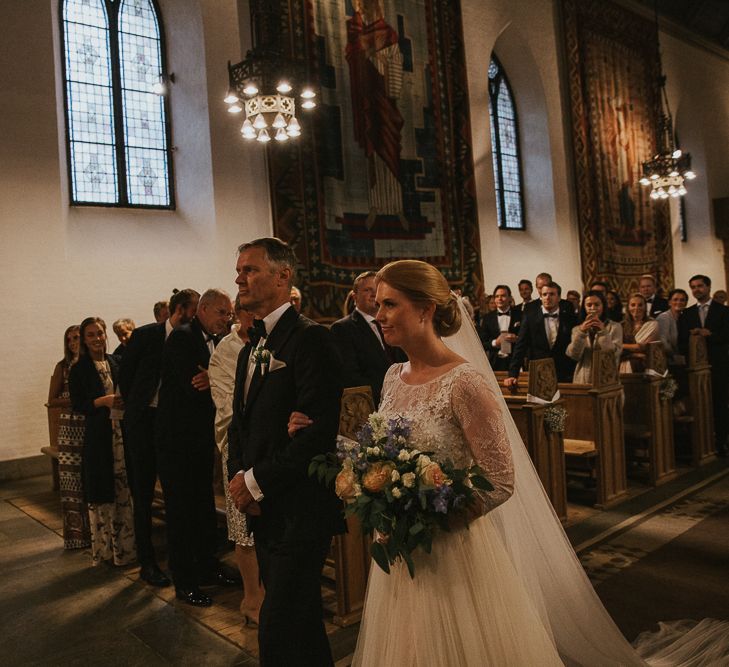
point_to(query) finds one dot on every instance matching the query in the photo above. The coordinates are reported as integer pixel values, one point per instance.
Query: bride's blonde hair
(423, 283)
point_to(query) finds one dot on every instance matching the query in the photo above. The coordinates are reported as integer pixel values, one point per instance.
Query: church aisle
(662, 555)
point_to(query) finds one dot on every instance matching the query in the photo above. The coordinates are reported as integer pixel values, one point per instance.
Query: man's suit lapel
(539, 332)
(199, 339)
(368, 334)
(275, 341)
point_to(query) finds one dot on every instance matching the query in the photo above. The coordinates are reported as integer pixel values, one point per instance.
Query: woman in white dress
(510, 589)
(221, 372)
(597, 332)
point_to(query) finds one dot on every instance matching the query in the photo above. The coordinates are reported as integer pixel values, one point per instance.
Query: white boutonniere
(262, 358)
(517, 324)
(265, 359)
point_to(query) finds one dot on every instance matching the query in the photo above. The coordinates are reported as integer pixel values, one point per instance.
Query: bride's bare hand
(297, 421)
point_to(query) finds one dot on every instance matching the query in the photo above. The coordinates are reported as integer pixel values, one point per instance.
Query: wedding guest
(599, 286)
(296, 298)
(597, 332)
(499, 329)
(76, 532)
(123, 329)
(720, 297)
(614, 305)
(185, 446)
(545, 332)
(222, 384)
(573, 296)
(655, 303)
(161, 311)
(638, 330)
(358, 338)
(525, 292)
(106, 490)
(139, 380)
(668, 325)
(540, 281)
(711, 320)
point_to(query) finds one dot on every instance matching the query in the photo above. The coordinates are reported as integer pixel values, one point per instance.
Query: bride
(510, 589)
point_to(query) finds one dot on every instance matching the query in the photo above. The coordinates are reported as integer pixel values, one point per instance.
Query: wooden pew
(351, 551)
(593, 436)
(700, 406)
(649, 420)
(594, 430)
(546, 448)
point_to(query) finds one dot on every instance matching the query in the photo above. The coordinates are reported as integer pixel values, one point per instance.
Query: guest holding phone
(597, 332)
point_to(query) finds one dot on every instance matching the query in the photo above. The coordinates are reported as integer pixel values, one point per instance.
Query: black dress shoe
(219, 578)
(153, 576)
(193, 596)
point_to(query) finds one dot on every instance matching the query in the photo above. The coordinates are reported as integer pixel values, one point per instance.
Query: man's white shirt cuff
(252, 485)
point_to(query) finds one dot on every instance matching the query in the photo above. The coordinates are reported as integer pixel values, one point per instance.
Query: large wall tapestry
(613, 69)
(387, 172)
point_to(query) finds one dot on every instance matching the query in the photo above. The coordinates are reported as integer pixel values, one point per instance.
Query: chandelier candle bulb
(284, 87)
(279, 121)
(259, 122)
(250, 90)
(308, 104)
(235, 108)
(263, 136)
(308, 94)
(281, 135)
(231, 98)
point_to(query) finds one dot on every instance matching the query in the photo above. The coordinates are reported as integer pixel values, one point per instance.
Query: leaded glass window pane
(505, 149)
(89, 102)
(144, 116)
(113, 58)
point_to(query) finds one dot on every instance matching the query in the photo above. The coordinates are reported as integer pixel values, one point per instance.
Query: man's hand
(511, 383)
(298, 420)
(504, 337)
(201, 381)
(702, 331)
(242, 496)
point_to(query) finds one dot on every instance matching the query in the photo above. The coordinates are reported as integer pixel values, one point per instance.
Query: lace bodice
(456, 417)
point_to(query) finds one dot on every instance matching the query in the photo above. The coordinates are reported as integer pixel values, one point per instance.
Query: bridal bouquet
(397, 490)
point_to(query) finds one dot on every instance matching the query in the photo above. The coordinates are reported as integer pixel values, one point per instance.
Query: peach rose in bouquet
(378, 476)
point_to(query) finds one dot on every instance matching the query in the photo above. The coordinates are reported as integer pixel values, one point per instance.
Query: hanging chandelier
(667, 170)
(264, 84)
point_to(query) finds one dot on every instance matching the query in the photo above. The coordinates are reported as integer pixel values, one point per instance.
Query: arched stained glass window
(117, 127)
(505, 149)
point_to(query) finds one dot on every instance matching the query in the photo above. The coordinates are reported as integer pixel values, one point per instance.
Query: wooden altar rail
(649, 419)
(700, 404)
(593, 435)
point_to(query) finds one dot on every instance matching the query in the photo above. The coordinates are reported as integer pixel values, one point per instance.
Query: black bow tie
(552, 315)
(508, 312)
(211, 337)
(649, 300)
(257, 331)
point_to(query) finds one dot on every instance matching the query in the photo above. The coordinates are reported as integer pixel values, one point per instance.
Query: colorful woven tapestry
(613, 70)
(384, 168)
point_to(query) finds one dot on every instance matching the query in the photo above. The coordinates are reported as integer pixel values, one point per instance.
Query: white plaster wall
(698, 91)
(525, 39)
(59, 264)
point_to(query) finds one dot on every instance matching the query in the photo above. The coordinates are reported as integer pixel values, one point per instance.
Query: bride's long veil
(562, 594)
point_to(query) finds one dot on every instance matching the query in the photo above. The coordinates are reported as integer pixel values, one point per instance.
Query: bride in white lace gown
(510, 589)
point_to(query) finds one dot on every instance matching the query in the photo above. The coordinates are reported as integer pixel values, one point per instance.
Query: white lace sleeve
(479, 416)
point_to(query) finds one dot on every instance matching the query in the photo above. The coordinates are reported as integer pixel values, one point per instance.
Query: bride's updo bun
(423, 283)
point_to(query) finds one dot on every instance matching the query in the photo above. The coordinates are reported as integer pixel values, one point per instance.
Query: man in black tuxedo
(710, 319)
(545, 332)
(139, 379)
(289, 365)
(525, 292)
(365, 355)
(655, 304)
(499, 329)
(185, 444)
(535, 306)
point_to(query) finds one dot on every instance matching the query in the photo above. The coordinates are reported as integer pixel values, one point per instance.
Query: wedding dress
(510, 589)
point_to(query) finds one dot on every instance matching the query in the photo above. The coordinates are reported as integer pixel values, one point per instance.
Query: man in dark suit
(290, 368)
(545, 332)
(655, 304)
(139, 383)
(365, 355)
(710, 319)
(185, 444)
(535, 306)
(525, 292)
(499, 329)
